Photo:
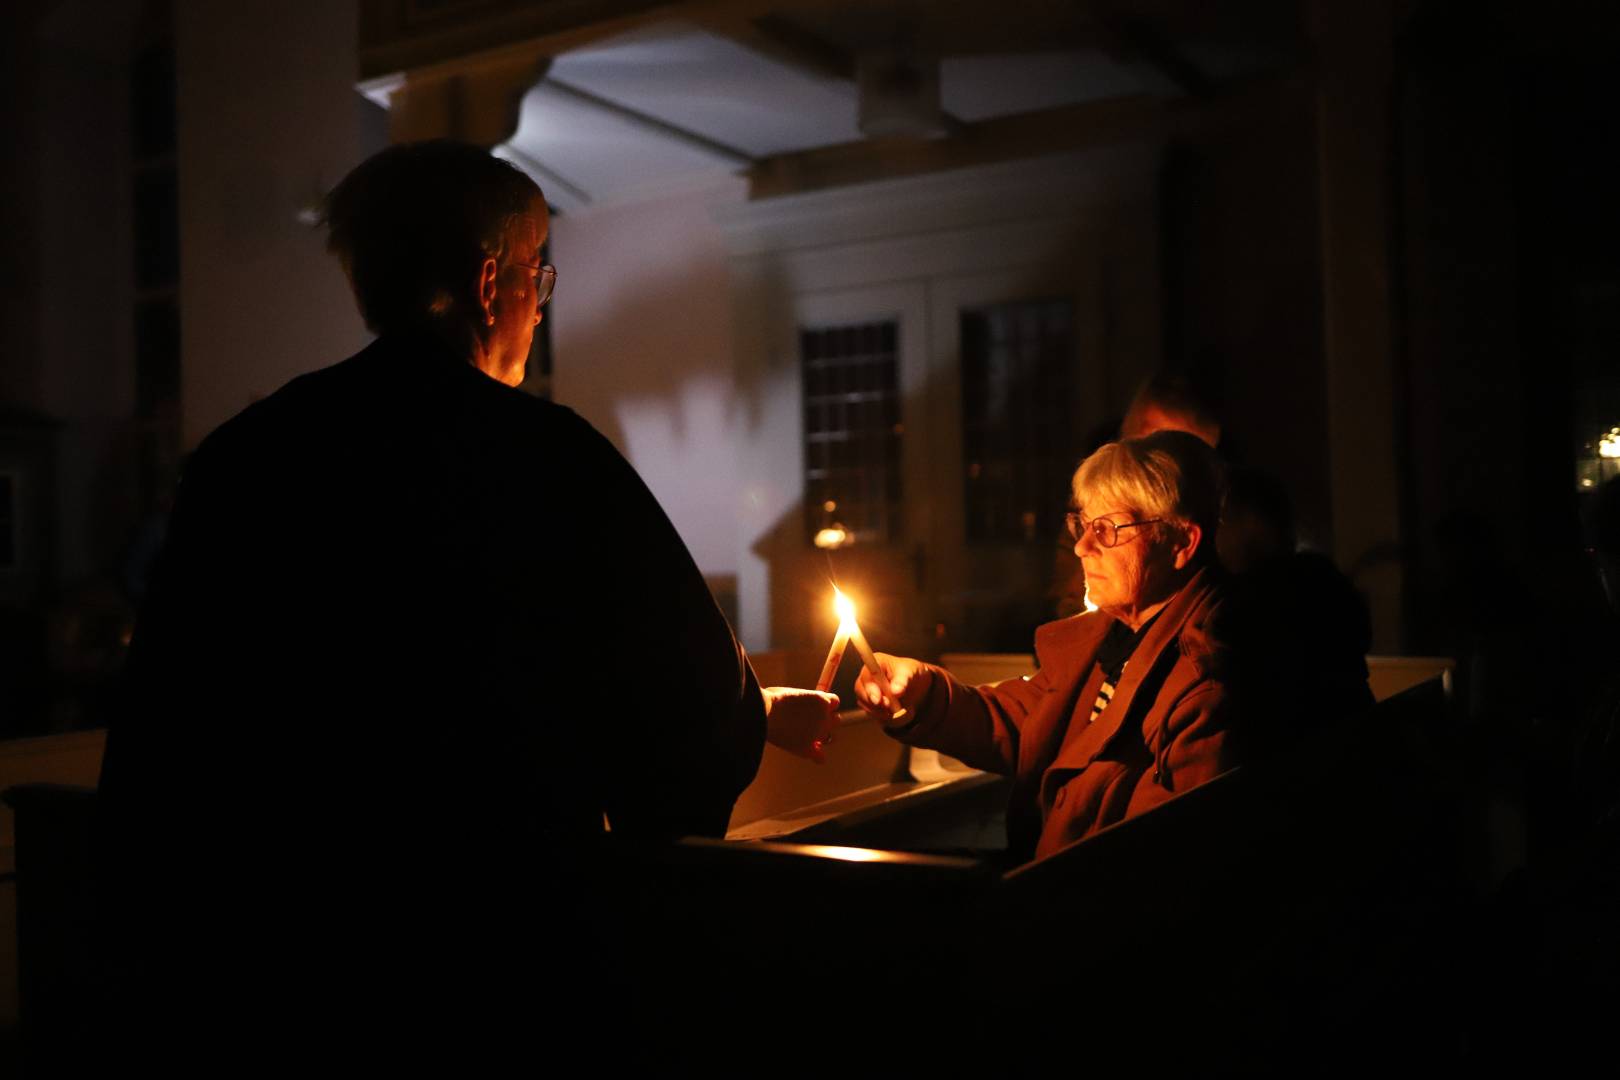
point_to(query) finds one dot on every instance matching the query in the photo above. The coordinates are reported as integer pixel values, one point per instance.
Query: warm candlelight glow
(849, 633)
(1609, 443)
(835, 655)
(843, 605)
(847, 854)
(1090, 607)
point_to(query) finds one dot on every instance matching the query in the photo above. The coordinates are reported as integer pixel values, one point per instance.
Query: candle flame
(843, 605)
(1609, 443)
(1090, 607)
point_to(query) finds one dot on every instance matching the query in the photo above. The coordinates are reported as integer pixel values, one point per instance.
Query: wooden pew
(1271, 912)
(55, 942)
(1300, 904)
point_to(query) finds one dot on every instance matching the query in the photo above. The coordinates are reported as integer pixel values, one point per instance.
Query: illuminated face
(1136, 573)
(516, 307)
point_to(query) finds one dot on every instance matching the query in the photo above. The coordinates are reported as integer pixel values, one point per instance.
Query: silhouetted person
(1304, 624)
(1548, 993)
(414, 636)
(1257, 520)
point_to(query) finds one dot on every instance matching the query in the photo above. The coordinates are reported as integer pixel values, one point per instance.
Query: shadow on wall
(643, 351)
(642, 311)
(660, 310)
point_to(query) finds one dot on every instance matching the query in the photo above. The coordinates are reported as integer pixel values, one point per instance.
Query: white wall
(669, 318)
(268, 120)
(641, 329)
(917, 250)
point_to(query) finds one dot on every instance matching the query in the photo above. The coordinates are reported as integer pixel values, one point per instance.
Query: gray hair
(1169, 475)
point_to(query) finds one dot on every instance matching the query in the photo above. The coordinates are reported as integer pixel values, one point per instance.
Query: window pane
(851, 428)
(1018, 425)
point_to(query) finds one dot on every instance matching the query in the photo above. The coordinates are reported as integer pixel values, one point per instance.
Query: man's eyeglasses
(544, 282)
(1102, 529)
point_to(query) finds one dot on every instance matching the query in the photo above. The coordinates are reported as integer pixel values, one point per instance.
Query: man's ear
(487, 274)
(1185, 546)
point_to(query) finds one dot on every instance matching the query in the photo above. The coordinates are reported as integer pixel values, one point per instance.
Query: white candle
(850, 631)
(870, 660)
(835, 656)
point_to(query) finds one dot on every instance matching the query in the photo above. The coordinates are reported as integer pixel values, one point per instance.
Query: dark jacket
(413, 635)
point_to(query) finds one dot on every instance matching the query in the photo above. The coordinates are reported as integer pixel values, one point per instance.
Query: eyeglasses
(1102, 529)
(544, 283)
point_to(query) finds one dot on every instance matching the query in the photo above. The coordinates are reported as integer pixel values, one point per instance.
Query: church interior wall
(641, 328)
(268, 120)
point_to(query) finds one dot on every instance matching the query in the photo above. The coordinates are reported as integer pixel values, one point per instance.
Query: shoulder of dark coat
(1205, 638)
(353, 391)
(296, 401)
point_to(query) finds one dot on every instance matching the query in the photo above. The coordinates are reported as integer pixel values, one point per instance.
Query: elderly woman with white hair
(1129, 706)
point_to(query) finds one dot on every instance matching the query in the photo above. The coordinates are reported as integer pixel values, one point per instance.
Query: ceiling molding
(728, 154)
(787, 43)
(1050, 187)
(561, 193)
(396, 37)
(1027, 135)
(479, 103)
(1068, 128)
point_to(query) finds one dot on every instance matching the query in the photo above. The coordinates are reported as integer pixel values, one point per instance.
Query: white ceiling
(714, 87)
(672, 103)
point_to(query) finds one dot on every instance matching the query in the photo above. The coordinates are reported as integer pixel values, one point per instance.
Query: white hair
(1169, 475)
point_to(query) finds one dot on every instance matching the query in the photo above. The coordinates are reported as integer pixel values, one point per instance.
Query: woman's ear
(1185, 546)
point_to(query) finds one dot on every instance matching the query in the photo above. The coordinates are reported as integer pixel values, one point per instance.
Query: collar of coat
(1183, 629)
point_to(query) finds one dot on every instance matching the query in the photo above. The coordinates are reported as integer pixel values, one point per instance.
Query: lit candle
(870, 660)
(868, 657)
(835, 655)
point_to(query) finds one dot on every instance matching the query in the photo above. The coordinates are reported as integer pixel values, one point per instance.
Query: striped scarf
(1112, 657)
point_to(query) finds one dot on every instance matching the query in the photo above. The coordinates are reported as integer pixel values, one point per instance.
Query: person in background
(1171, 401)
(1308, 627)
(1545, 991)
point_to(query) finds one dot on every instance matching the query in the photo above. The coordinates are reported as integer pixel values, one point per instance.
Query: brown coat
(1070, 777)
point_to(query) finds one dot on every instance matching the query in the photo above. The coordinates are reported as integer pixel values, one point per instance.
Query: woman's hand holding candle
(891, 690)
(801, 722)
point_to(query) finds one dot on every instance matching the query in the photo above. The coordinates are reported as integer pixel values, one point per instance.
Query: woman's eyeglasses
(1104, 530)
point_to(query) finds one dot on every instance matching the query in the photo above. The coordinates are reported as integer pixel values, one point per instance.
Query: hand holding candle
(887, 691)
(850, 630)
